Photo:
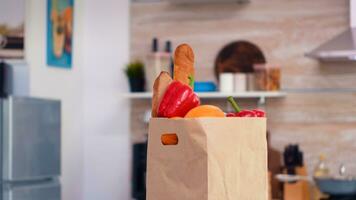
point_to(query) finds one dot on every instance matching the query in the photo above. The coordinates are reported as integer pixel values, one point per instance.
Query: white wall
(12, 12)
(107, 156)
(60, 84)
(95, 139)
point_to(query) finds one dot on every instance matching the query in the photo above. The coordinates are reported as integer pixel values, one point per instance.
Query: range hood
(343, 46)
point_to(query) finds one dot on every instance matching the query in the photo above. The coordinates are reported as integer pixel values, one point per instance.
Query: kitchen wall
(95, 140)
(319, 112)
(59, 84)
(107, 155)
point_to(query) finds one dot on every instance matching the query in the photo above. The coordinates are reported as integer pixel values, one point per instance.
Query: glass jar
(267, 77)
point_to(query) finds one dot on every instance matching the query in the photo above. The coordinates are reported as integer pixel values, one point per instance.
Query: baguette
(159, 88)
(183, 63)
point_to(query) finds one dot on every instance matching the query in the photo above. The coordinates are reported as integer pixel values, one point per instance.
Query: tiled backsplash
(321, 122)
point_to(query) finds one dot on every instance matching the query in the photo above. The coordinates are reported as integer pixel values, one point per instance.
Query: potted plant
(136, 76)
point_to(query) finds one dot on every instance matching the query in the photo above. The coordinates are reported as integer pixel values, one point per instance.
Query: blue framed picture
(59, 33)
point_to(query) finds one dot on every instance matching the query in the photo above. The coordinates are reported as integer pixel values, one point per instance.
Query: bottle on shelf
(168, 49)
(156, 61)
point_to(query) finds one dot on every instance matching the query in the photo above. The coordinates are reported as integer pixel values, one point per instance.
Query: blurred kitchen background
(295, 59)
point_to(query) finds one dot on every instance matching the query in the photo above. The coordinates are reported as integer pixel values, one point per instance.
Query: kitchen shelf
(261, 95)
(14, 61)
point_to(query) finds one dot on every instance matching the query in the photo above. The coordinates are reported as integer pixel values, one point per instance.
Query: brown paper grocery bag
(215, 159)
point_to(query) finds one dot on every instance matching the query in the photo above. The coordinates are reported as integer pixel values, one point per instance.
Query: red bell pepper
(234, 105)
(178, 99)
(259, 113)
(243, 113)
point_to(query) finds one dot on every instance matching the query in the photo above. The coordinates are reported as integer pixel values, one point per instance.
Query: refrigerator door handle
(18, 183)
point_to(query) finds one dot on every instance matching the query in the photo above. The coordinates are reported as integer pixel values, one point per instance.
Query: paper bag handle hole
(169, 139)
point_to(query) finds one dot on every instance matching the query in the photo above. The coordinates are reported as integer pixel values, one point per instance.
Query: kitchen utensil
(336, 187)
(292, 178)
(250, 79)
(299, 188)
(226, 82)
(321, 169)
(293, 158)
(207, 86)
(238, 56)
(240, 82)
(328, 185)
(156, 62)
(268, 77)
(293, 165)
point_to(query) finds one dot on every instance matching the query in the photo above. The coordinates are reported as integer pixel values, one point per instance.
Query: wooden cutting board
(239, 56)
